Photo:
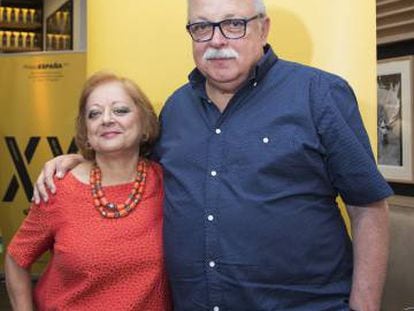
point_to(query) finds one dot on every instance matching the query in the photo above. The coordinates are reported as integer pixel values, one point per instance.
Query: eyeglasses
(232, 28)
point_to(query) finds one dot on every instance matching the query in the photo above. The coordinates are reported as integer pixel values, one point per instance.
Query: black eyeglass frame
(245, 21)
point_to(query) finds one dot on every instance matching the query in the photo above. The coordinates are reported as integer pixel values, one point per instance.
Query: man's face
(231, 71)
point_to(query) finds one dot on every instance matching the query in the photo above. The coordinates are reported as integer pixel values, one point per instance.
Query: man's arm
(370, 243)
(57, 166)
(19, 285)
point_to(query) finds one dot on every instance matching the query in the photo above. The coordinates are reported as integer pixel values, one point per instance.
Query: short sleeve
(350, 161)
(33, 238)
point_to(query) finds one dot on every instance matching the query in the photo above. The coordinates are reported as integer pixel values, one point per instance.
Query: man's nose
(218, 38)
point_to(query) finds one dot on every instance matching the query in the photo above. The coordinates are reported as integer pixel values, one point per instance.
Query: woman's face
(113, 120)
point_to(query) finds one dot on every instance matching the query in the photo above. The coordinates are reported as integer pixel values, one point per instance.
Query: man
(255, 151)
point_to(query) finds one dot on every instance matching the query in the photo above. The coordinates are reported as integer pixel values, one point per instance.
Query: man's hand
(59, 166)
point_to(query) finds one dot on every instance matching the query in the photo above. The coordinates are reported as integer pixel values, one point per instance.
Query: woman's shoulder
(74, 181)
(155, 166)
(155, 172)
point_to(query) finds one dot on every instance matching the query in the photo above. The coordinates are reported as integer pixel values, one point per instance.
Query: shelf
(20, 27)
(19, 50)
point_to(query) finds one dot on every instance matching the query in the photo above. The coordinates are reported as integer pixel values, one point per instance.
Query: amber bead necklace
(113, 210)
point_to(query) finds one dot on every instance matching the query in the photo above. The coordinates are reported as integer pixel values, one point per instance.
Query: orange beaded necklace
(113, 210)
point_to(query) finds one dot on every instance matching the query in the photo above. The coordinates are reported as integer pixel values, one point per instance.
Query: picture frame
(395, 119)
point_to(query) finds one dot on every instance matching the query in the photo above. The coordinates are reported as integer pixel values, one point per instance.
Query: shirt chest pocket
(262, 149)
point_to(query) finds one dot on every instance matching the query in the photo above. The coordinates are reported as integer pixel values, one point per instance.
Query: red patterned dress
(97, 263)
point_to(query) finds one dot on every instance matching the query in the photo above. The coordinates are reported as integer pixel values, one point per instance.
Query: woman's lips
(110, 134)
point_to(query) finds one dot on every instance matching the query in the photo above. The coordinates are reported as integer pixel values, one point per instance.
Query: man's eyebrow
(205, 19)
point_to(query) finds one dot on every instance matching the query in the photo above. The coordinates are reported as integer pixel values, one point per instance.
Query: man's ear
(265, 29)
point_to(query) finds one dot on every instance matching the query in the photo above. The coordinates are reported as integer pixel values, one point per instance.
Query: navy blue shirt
(250, 218)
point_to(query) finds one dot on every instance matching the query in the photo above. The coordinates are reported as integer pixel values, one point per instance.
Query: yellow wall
(143, 40)
(147, 42)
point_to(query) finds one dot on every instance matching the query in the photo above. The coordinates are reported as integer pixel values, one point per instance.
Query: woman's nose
(107, 116)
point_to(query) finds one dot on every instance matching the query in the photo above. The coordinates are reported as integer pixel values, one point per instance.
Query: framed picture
(395, 118)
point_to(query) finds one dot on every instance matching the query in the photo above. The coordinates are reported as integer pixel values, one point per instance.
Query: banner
(38, 104)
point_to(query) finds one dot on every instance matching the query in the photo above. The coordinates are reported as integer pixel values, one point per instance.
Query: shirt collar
(259, 71)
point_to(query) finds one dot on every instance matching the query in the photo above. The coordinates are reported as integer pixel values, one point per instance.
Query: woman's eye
(93, 114)
(121, 111)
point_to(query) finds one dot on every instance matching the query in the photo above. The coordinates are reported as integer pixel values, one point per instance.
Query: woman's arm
(19, 285)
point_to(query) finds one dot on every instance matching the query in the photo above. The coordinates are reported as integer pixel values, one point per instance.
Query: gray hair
(258, 5)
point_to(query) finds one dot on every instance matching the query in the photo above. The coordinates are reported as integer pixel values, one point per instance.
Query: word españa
(50, 66)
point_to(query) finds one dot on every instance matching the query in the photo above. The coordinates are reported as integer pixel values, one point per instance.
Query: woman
(104, 229)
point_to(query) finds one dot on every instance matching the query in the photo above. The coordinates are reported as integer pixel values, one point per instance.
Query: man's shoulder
(309, 72)
(182, 93)
(178, 97)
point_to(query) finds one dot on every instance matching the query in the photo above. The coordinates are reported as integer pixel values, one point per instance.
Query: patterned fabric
(96, 263)
(250, 217)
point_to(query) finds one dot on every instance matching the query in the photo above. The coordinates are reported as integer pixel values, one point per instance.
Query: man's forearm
(370, 243)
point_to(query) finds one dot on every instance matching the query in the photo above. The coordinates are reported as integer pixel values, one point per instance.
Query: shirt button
(266, 140)
(255, 83)
(212, 264)
(216, 308)
(213, 173)
(210, 217)
(218, 131)
(209, 101)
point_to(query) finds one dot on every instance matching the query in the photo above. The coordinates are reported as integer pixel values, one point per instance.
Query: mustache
(212, 53)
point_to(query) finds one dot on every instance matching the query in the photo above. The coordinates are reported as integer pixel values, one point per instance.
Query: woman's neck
(117, 169)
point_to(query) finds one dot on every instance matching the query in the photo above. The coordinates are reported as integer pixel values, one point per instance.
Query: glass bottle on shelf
(1, 39)
(7, 14)
(36, 41)
(4, 39)
(31, 16)
(58, 17)
(24, 12)
(20, 40)
(62, 42)
(66, 20)
(29, 41)
(66, 42)
(36, 16)
(12, 43)
(24, 36)
(56, 42)
(16, 16)
(1, 14)
(12, 15)
(20, 16)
